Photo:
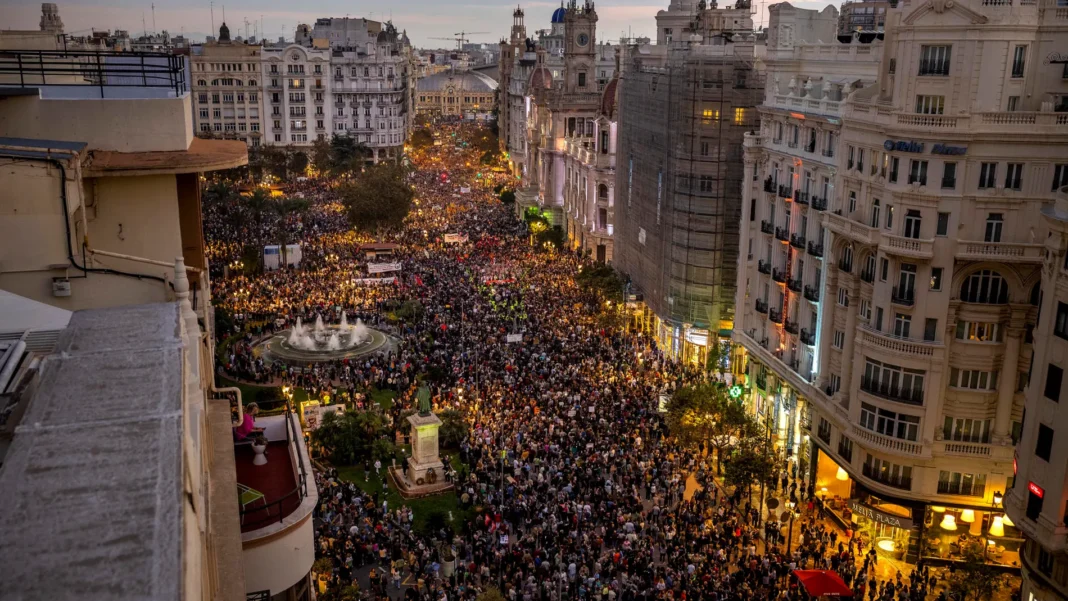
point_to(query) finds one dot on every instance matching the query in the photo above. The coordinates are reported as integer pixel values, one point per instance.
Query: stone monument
(424, 467)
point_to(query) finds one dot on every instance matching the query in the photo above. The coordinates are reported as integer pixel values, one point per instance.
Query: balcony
(845, 451)
(808, 338)
(967, 449)
(761, 306)
(282, 480)
(769, 185)
(892, 391)
(764, 267)
(767, 227)
(775, 315)
(778, 276)
(906, 297)
(886, 443)
(820, 204)
(901, 347)
(782, 234)
(812, 293)
(794, 285)
(828, 153)
(895, 481)
(797, 241)
(844, 226)
(816, 250)
(934, 67)
(907, 247)
(1002, 252)
(791, 327)
(786, 192)
(845, 265)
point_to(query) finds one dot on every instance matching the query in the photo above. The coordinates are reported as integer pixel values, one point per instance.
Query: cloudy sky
(424, 19)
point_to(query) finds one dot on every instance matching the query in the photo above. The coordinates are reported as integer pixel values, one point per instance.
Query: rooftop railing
(103, 70)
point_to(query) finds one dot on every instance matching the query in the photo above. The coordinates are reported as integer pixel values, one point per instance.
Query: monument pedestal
(425, 455)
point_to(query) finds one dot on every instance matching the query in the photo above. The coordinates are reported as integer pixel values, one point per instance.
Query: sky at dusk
(424, 19)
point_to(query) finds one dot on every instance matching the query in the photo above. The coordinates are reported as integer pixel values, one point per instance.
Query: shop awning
(823, 583)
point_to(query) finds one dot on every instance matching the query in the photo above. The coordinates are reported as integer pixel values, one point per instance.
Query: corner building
(928, 301)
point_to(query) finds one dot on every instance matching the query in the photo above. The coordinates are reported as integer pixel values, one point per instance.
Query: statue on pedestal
(425, 463)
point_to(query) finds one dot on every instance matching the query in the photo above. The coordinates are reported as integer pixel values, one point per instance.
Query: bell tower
(519, 30)
(580, 52)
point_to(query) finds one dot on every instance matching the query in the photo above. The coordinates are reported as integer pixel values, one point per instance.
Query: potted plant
(323, 567)
(448, 561)
(259, 447)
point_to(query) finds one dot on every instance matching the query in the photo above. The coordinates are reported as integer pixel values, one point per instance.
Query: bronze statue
(423, 395)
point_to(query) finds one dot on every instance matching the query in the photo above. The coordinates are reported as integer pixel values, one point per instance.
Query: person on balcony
(247, 428)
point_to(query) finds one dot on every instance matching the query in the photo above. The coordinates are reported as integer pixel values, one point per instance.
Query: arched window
(252, 83)
(202, 82)
(846, 261)
(986, 287)
(602, 192)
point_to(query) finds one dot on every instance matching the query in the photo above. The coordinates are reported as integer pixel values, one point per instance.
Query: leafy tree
(383, 450)
(351, 437)
(705, 412)
(453, 429)
(750, 466)
(974, 579)
(273, 161)
(347, 155)
(601, 279)
(422, 139)
(298, 163)
(379, 199)
(320, 155)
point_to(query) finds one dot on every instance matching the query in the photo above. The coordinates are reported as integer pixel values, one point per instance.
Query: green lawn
(445, 503)
(383, 398)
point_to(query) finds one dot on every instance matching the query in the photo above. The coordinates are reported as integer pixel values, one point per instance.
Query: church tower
(580, 47)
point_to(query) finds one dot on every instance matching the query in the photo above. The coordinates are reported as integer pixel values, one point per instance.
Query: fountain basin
(327, 345)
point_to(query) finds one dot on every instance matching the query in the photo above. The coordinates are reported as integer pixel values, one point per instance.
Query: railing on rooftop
(34, 68)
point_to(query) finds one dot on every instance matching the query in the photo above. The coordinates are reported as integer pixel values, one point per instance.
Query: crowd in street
(573, 485)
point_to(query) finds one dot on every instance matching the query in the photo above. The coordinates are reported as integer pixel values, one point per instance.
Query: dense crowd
(574, 486)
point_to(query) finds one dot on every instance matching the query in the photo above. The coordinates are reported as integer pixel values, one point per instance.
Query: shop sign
(917, 147)
(879, 516)
(1036, 489)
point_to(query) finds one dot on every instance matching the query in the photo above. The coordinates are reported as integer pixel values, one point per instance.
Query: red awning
(823, 583)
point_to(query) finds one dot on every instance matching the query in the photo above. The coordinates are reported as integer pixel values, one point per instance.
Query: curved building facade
(462, 93)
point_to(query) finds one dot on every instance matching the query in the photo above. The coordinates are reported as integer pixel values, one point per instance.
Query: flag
(418, 281)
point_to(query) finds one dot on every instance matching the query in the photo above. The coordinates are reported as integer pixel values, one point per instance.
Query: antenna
(212, 18)
(143, 26)
(153, 17)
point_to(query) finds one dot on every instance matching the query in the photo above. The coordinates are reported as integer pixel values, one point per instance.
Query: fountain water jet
(334, 344)
(319, 328)
(344, 322)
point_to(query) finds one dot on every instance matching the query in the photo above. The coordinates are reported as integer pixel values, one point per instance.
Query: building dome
(540, 79)
(558, 15)
(608, 99)
(465, 81)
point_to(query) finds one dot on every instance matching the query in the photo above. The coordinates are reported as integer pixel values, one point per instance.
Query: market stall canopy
(823, 583)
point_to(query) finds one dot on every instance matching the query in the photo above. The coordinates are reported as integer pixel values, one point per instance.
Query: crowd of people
(575, 486)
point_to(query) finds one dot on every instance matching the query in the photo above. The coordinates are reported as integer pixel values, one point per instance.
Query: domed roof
(540, 79)
(558, 15)
(608, 98)
(461, 81)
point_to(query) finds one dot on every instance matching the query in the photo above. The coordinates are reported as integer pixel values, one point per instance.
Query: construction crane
(461, 38)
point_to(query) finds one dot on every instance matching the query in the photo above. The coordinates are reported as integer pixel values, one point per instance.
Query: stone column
(1007, 386)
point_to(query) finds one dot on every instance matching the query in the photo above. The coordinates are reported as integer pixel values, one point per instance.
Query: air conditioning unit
(60, 287)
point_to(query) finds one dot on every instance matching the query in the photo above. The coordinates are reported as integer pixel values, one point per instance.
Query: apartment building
(227, 90)
(932, 243)
(297, 85)
(684, 109)
(106, 351)
(1037, 504)
(372, 84)
(865, 16)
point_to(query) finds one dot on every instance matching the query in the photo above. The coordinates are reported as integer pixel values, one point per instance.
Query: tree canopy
(422, 139)
(705, 412)
(380, 198)
(602, 279)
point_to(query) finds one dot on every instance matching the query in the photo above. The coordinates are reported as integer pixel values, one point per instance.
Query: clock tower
(580, 53)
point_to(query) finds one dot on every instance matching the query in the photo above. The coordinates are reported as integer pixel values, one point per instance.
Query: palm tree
(285, 207)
